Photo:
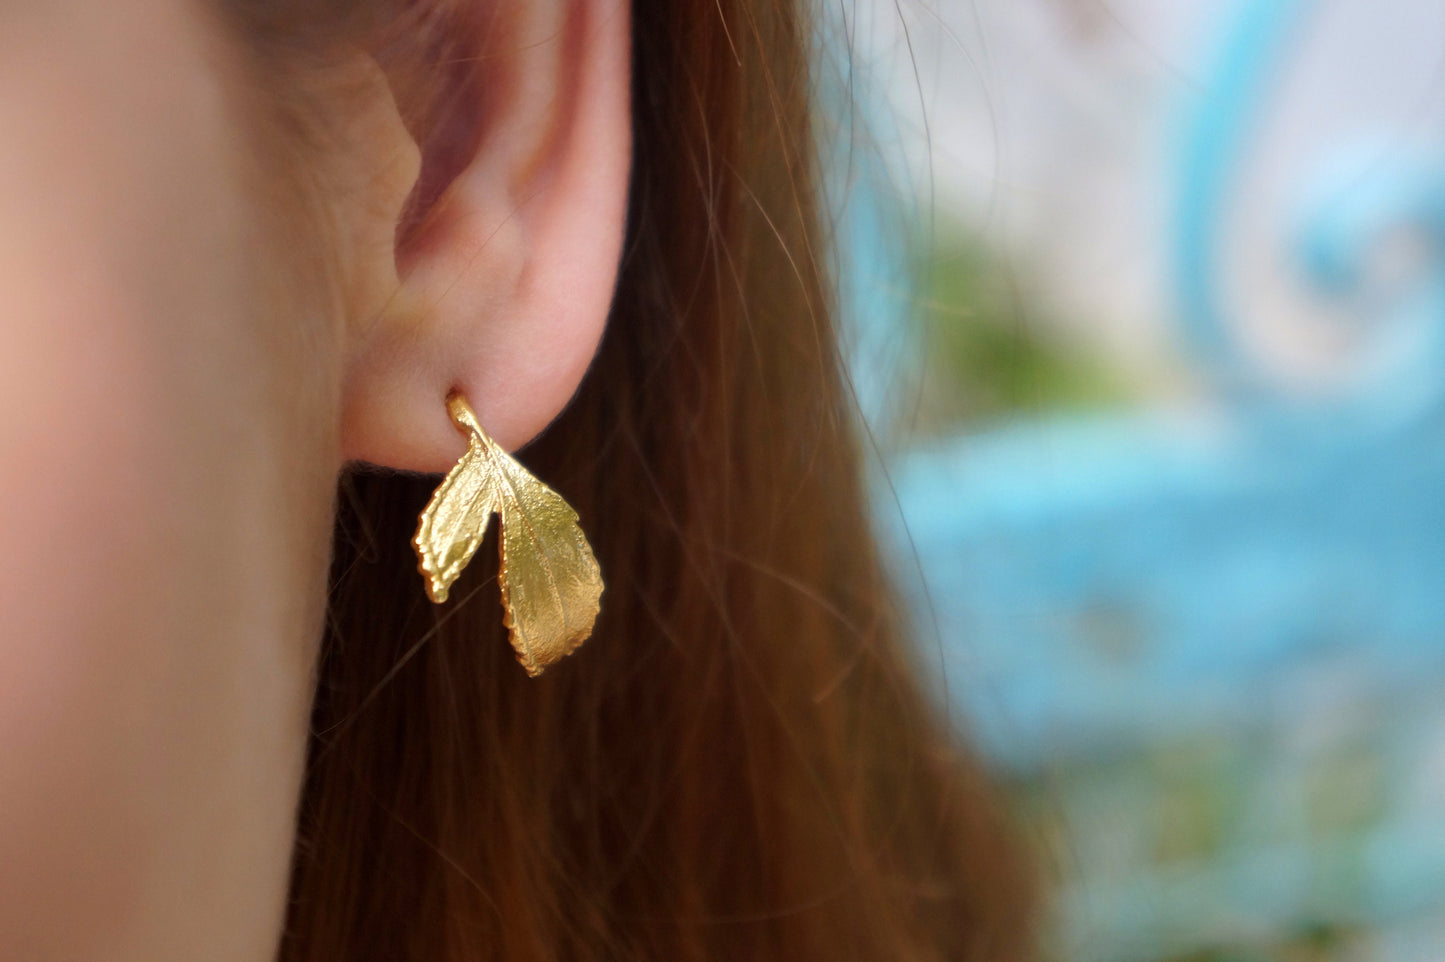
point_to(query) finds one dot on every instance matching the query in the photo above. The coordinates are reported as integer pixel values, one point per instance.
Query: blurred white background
(1049, 129)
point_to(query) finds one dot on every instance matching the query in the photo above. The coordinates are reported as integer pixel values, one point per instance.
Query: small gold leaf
(456, 520)
(551, 585)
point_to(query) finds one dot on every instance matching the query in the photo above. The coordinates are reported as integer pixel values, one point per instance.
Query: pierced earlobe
(550, 581)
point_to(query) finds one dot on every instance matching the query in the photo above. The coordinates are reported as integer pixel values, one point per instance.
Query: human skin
(167, 460)
(180, 384)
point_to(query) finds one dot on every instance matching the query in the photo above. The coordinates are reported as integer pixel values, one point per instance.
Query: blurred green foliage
(987, 352)
(1150, 844)
(1320, 942)
(1138, 822)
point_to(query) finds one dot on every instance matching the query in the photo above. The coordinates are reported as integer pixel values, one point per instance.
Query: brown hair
(740, 764)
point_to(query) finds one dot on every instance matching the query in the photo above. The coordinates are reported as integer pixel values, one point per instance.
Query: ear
(507, 255)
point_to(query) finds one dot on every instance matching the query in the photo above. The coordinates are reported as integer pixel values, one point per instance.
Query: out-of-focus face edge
(168, 383)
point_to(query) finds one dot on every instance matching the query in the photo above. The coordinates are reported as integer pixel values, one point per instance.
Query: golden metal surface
(550, 581)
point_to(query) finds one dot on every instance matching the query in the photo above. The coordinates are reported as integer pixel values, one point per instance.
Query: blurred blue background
(1148, 314)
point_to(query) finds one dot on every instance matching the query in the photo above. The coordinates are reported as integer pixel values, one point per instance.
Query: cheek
(75, 513)
(119, 227)
(85, 360)
(165, 470)
(83, 479)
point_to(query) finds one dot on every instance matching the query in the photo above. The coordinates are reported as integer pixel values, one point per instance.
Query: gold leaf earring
(549, 577)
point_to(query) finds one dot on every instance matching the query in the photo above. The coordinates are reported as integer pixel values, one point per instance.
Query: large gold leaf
(551, 585)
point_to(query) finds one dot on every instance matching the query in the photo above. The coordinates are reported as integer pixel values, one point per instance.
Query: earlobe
(507, 278)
